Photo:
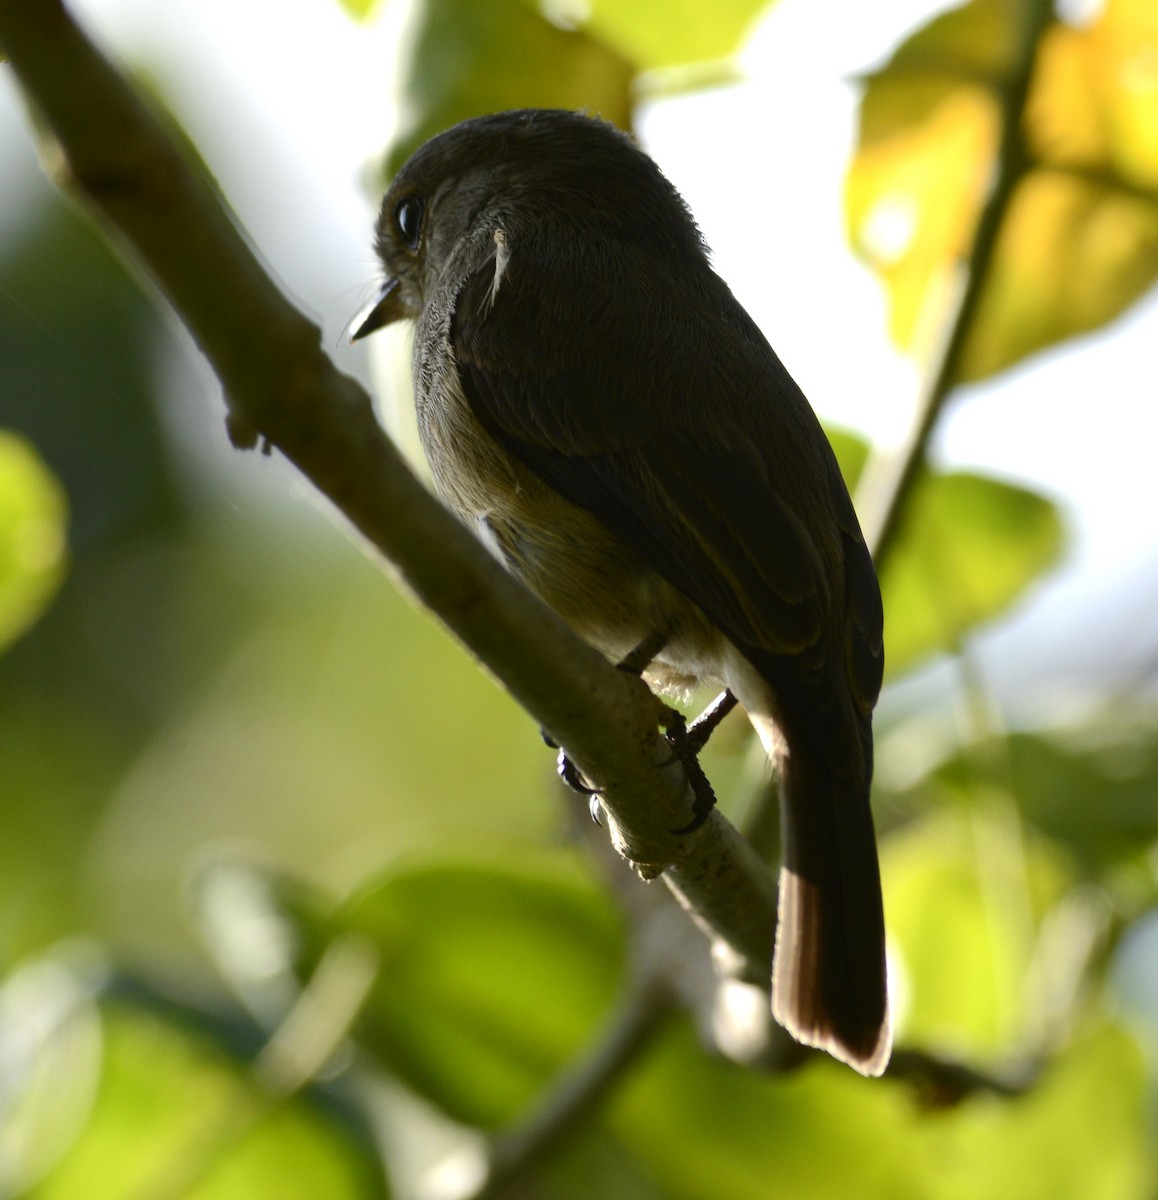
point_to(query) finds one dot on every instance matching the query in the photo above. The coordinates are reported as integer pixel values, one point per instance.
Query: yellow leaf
(1079, 242)
(913, 199)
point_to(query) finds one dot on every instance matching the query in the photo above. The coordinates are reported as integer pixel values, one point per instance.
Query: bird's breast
(595, 581)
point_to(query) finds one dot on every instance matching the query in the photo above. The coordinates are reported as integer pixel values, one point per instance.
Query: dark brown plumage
(596, 404)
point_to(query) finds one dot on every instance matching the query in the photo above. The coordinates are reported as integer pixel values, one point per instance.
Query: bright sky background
(291, 112)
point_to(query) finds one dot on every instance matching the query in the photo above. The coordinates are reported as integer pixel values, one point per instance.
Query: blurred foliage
(144, 1106)
(80, 694)
(708, 1129)
(586, 55)
(652, 34)
(218, 678)
(32, 536)
(446, 69)
(969, 550)
(1080, 242)
(1054, 774)
(492, 977)
(476, 1007)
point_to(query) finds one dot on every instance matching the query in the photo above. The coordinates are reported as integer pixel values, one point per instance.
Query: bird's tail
(828, 979)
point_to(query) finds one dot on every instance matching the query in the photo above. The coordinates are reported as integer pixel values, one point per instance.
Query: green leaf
(174, 1116)
(852, 453)
(1079, 1134)
(494, 979)
(1088, 787)
(33, 518)
(491, 978)
(663, 33)
(50, 1040)
(709, 1130)
(360, 10)
(968, 548)
(942, 891)
(464, 58)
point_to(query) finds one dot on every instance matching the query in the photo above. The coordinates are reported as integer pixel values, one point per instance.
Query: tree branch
(886, 486)
(280, 387)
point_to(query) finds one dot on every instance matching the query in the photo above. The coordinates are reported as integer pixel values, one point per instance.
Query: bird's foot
(686, 742)
(636, 661)
(706, 723)
(570, 774)
(685, 746)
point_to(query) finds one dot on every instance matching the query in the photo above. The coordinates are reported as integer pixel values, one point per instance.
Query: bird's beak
(386, 309)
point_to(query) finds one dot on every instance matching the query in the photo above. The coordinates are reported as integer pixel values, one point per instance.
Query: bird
(596, 405)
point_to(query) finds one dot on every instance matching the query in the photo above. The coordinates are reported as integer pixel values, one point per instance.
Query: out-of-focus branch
(643, 1014)
(280, 388)
(943, 1082)
(888, 482)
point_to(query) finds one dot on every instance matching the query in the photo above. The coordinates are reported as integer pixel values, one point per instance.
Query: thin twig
(887, 484)
(944, 1082)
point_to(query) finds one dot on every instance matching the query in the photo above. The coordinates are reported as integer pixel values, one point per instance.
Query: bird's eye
(408, 218)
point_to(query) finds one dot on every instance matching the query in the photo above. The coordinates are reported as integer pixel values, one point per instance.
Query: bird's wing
(667, 417)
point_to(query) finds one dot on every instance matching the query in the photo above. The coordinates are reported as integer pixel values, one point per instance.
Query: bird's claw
(685, 749)
(570, 774)
(686, 742)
